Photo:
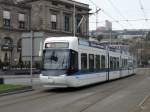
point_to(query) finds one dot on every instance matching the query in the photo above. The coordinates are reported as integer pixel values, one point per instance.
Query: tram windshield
(56, 59)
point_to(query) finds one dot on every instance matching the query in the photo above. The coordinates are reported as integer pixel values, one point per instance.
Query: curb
(16, 91)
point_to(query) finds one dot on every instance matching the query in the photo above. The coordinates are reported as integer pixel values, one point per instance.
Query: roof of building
(13, 3)
(71, 2)
(8, 1)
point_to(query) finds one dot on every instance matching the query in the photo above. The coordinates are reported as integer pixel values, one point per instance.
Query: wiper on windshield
(54, 58)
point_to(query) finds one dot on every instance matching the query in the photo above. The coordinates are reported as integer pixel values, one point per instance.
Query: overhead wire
(143, 10)
(144, 13)
(107, 14)
(118, 11)
(114, 20)
(125, 20)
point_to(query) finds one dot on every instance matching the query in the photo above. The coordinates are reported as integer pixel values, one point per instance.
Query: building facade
(53, 18)
(14, 20)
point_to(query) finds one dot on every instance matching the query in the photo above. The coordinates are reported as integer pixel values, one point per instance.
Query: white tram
(70, 62)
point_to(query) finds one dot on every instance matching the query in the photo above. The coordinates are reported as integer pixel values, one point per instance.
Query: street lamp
(31, 59)
(74, 16)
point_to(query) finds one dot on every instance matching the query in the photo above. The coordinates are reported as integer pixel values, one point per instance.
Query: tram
(73, 62)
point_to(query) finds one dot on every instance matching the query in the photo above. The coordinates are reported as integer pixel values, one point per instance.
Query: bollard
(1, 81)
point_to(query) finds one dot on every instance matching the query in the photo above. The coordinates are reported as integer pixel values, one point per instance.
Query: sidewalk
(23, 80)
(16, 91)
(19, 76)
(19, 72)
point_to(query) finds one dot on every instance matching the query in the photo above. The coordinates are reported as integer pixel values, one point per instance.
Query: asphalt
(131, 94)
(132, 99)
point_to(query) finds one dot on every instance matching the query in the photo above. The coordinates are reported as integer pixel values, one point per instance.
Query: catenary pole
(74, 20)
(31, 59)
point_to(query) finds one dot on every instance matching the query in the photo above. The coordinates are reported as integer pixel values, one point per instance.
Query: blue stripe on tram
(91, 71)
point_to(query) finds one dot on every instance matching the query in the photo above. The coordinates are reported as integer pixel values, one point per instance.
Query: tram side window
(91, 62)
(134, 63)
(122, 63)
(73, 59)
(83, 61)
(117, 63)
(111, 62)
(126, 63)
(97, 61)
(103, 61)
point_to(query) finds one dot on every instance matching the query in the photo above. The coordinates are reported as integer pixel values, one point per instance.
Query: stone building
(52, 17)
(14, 20)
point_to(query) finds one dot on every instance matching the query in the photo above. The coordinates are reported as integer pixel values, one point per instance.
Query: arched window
(7, 41)
(7, 44)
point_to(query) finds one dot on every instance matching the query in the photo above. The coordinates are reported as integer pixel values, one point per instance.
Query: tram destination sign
(57, 45)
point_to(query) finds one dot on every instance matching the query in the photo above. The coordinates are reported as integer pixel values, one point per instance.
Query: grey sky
(136, 11)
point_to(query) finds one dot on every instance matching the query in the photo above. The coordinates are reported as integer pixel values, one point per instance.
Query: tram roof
(86, 42)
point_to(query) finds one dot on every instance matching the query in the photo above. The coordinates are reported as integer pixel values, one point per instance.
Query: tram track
(34, 96)
(89, 101)
(98, 100)
(86, 102)
(25, 98)
(44, 94)
(69, 100)
(14, 96)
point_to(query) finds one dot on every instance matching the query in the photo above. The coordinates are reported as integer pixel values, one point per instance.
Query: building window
(68, 7)
(21, 18)
(67, 23)
(54, 3)
(83, 61)
(54, 21)
(7, 44)
(6, 18)
(22, 24)
(78, 19)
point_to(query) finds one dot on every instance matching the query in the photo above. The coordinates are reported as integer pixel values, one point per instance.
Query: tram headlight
(63, 75)
(41, 75)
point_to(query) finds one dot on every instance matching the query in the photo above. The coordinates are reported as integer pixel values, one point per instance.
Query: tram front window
(56, 59)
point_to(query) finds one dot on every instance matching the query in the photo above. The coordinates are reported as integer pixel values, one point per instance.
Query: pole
(110, 38)
(141, 51)
(96, 21)
(31, 59)
(108, 63)
(74, 20)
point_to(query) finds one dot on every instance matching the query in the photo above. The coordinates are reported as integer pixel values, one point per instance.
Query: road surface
(130, 94)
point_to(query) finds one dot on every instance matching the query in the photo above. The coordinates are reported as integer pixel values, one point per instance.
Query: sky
(124, 14)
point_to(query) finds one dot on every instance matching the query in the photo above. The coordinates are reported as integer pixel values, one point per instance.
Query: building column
(61, 21)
